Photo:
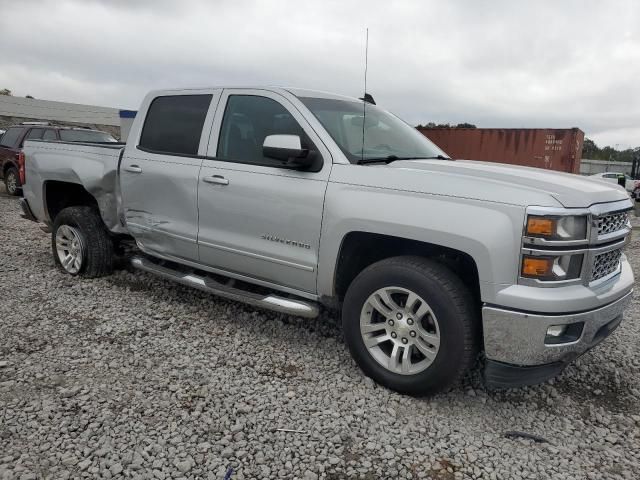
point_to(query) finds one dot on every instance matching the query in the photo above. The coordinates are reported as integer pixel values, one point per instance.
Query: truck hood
(514, 184)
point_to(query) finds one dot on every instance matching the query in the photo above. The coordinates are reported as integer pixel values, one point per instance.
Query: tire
(442, 343)
(80, 233)
(12, 181)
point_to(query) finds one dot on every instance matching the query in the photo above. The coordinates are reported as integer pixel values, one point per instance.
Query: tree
(591, 151)
(6, 92)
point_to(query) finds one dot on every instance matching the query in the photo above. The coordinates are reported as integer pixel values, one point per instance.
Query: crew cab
(14, 137)
(291, 199)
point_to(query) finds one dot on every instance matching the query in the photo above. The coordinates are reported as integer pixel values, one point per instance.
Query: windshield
(385, 135)
(86, 136)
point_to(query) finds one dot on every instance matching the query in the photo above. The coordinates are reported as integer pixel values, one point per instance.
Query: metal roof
(58, 111)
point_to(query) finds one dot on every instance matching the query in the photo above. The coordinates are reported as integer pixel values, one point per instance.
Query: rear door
(258, 218)
(159, 173)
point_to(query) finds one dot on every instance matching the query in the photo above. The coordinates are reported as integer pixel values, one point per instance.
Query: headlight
(552, 267)
(557, 228)
(554, 246)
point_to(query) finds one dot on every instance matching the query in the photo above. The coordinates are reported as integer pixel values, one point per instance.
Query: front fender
(489, 232)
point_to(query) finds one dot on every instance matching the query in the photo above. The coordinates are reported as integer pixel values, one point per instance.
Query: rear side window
(35, 134)
(49, 135)
(11, 136)
(174, 124)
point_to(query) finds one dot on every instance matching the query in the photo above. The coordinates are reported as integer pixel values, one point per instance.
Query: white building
(17, 109)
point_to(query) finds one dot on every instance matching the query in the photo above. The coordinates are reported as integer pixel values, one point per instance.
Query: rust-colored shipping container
(553, 149)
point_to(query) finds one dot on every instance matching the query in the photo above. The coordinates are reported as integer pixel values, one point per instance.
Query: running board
(300, 308)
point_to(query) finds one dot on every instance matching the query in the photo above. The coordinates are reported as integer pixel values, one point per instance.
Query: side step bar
(300, 308)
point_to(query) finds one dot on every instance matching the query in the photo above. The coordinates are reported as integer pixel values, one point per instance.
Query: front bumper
(516, 342)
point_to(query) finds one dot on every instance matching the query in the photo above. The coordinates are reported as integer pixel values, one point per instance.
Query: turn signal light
(21, 172)
(536, 267)
(541, 226)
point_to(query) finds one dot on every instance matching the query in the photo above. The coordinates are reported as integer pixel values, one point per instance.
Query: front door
(258, 218)
(159, 173)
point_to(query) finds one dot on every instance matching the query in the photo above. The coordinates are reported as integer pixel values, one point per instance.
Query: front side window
(11, 136)
(248, 120)
(90, 136)
(365, 131)
(174, 124)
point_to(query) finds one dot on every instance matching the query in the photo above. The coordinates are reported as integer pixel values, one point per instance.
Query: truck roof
(298, 92)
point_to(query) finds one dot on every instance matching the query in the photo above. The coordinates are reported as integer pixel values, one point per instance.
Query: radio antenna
(366, 60)
(364, 96)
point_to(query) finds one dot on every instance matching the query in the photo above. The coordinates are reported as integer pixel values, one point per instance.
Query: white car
(629, 183)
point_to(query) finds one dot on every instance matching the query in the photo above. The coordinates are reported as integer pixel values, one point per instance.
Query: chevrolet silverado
(290, 199)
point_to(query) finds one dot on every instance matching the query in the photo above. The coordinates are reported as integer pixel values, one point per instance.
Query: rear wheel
(411, 325)
(12, 181)
(81, 244)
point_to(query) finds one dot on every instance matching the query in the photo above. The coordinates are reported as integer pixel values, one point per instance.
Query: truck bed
(92, 165)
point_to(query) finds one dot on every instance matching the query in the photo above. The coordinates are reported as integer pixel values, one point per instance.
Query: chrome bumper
(518, 338)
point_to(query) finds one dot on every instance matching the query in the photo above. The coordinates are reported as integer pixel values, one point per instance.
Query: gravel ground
(133, 377)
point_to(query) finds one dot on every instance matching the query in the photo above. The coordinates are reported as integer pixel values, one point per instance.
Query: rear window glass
(11, 136)
(86, 136)
(174, 124)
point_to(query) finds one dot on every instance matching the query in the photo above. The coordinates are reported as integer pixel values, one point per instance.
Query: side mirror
(287, 148)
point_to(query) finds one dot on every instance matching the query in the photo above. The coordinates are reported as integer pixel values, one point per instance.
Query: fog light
(558, 334)
(556, 330)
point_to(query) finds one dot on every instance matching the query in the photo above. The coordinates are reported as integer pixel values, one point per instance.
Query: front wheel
(81, 244)
(411, 325)
(12, 181)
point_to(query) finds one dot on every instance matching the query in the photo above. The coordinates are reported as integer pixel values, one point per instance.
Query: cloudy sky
(493, 63)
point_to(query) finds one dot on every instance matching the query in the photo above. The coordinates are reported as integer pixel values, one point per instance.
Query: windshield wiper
(393, 158)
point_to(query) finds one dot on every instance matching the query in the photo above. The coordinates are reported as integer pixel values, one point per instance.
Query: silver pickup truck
(289, 199)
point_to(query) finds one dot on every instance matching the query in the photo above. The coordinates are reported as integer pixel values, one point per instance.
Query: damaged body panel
(93, 167)
(160, 203)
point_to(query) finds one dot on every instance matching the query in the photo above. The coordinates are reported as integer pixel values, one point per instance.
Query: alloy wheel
(12, 183)
(400, 330)
(70, 248)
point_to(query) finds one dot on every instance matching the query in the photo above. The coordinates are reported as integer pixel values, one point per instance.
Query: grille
(605, 263)
(612, 223)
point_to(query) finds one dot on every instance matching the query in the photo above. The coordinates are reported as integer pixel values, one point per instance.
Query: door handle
(133, 169)
(217, 179)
